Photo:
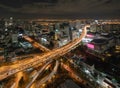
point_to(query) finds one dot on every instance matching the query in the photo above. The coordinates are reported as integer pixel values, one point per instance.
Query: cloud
(68, 7)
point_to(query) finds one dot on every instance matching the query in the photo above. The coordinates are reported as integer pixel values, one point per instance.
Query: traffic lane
(27, 57)
(19, 63)
(36, 44)
(73, 74)
(48, 77)
(38, 73)
(19, 75)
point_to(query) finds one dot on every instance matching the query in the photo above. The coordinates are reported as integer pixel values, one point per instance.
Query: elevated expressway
(35, 44)
(9, 70)
(117, 22)
(48, 77)
(38, 73)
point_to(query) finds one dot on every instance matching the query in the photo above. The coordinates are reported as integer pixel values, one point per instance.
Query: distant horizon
(62, 18)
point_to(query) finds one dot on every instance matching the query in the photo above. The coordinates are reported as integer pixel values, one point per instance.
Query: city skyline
(60, 8)
(42, 53)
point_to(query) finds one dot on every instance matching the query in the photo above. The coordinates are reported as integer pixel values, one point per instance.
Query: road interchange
(12, 69)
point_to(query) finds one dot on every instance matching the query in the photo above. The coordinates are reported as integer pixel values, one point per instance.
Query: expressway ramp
(36, 44)
(37, 74)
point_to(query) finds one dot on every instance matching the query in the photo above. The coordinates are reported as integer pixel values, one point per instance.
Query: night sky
(60, 8)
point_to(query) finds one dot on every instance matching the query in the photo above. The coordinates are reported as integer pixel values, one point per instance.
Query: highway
(111, 22)
(37, 59)
(36, 44)
(38, 73)
(73, 74)
(12, 69)
(19, 59)
(48, 77)
(19, 75)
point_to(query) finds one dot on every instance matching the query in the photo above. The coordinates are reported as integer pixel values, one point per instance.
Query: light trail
(12, 69)
(48, 77)
(38, 73)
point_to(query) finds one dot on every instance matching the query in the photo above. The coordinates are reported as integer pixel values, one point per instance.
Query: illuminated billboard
(90, 35)
(91, 46)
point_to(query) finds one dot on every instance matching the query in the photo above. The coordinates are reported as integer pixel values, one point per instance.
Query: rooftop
(99, 41)
(69, 84)
(106, 35)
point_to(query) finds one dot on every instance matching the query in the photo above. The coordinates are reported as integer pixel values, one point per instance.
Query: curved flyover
(48, 77)
(9, 70)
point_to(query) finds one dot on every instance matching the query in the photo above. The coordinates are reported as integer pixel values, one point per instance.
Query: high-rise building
(11, 21)
(14, 38)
